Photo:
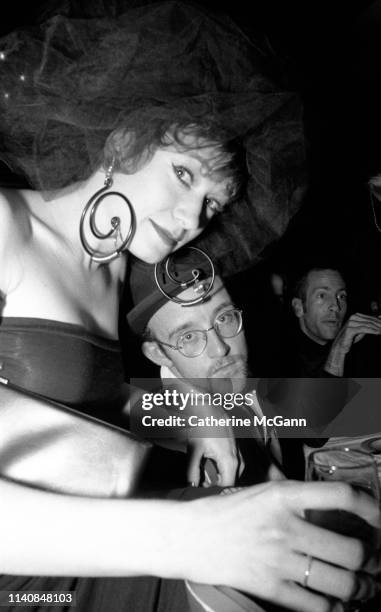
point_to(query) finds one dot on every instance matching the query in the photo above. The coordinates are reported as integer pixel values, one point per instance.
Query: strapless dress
(61, 362)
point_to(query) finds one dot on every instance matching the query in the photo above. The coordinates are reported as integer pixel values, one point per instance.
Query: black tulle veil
(69, 82)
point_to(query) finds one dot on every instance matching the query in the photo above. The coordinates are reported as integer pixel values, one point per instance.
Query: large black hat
(69, 83)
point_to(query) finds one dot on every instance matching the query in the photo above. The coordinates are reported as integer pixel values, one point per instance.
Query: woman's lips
(166, 236)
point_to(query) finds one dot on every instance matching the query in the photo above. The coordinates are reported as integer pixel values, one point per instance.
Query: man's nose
(217, 347)
(335, 305)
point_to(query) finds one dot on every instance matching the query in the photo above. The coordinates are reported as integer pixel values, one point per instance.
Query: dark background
(330, 52)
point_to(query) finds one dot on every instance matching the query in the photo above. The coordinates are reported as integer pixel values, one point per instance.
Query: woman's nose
(188, 212)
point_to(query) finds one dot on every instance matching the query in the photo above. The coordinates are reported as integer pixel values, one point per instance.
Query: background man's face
(325, 305)
(222, 357)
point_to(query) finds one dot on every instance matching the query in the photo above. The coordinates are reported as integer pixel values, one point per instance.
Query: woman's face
(173, 198)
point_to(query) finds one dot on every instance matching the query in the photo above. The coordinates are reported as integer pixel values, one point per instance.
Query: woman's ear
(119, 149)
(297, 306)
(153, 351)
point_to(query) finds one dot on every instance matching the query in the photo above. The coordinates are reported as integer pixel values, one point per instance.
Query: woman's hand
(257, 541)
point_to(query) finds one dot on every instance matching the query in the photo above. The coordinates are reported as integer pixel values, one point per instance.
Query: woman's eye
(184, 175)
(343, 297)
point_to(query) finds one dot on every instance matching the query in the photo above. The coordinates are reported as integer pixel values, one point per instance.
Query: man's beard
(225, 379)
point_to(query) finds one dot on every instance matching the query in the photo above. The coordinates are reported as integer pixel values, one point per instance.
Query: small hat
(152, 286)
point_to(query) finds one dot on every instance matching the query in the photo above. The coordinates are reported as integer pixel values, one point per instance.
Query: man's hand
(357, 326)
(268, 545)
(216, 443)
(227, 461)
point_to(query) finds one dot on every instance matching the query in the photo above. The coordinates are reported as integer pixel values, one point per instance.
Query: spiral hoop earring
(91, 210)
(202, 288)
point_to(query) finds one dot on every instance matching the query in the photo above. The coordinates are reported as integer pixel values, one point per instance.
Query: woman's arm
(45, 533)
(255, 540)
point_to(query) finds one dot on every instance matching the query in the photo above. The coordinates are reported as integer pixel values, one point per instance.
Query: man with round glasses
(189, 325)
(203, 341)
(193, 342)
(200, 341)
(188, 322)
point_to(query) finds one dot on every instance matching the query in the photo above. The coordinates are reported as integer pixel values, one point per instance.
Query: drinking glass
(357, 468)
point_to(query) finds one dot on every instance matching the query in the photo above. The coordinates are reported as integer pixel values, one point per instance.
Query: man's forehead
(172, 314)
(325, 278)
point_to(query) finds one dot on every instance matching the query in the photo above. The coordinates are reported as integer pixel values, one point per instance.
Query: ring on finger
(307, 571)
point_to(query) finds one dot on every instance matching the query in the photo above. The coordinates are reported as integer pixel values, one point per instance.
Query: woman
(129, 153)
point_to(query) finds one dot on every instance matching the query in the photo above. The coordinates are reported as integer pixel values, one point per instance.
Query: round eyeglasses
(192, 343)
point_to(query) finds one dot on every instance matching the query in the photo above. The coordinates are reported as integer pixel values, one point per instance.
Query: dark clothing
(301, 357)
(63, 363)
(364, 358)
(298, 360)
(142, 594)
